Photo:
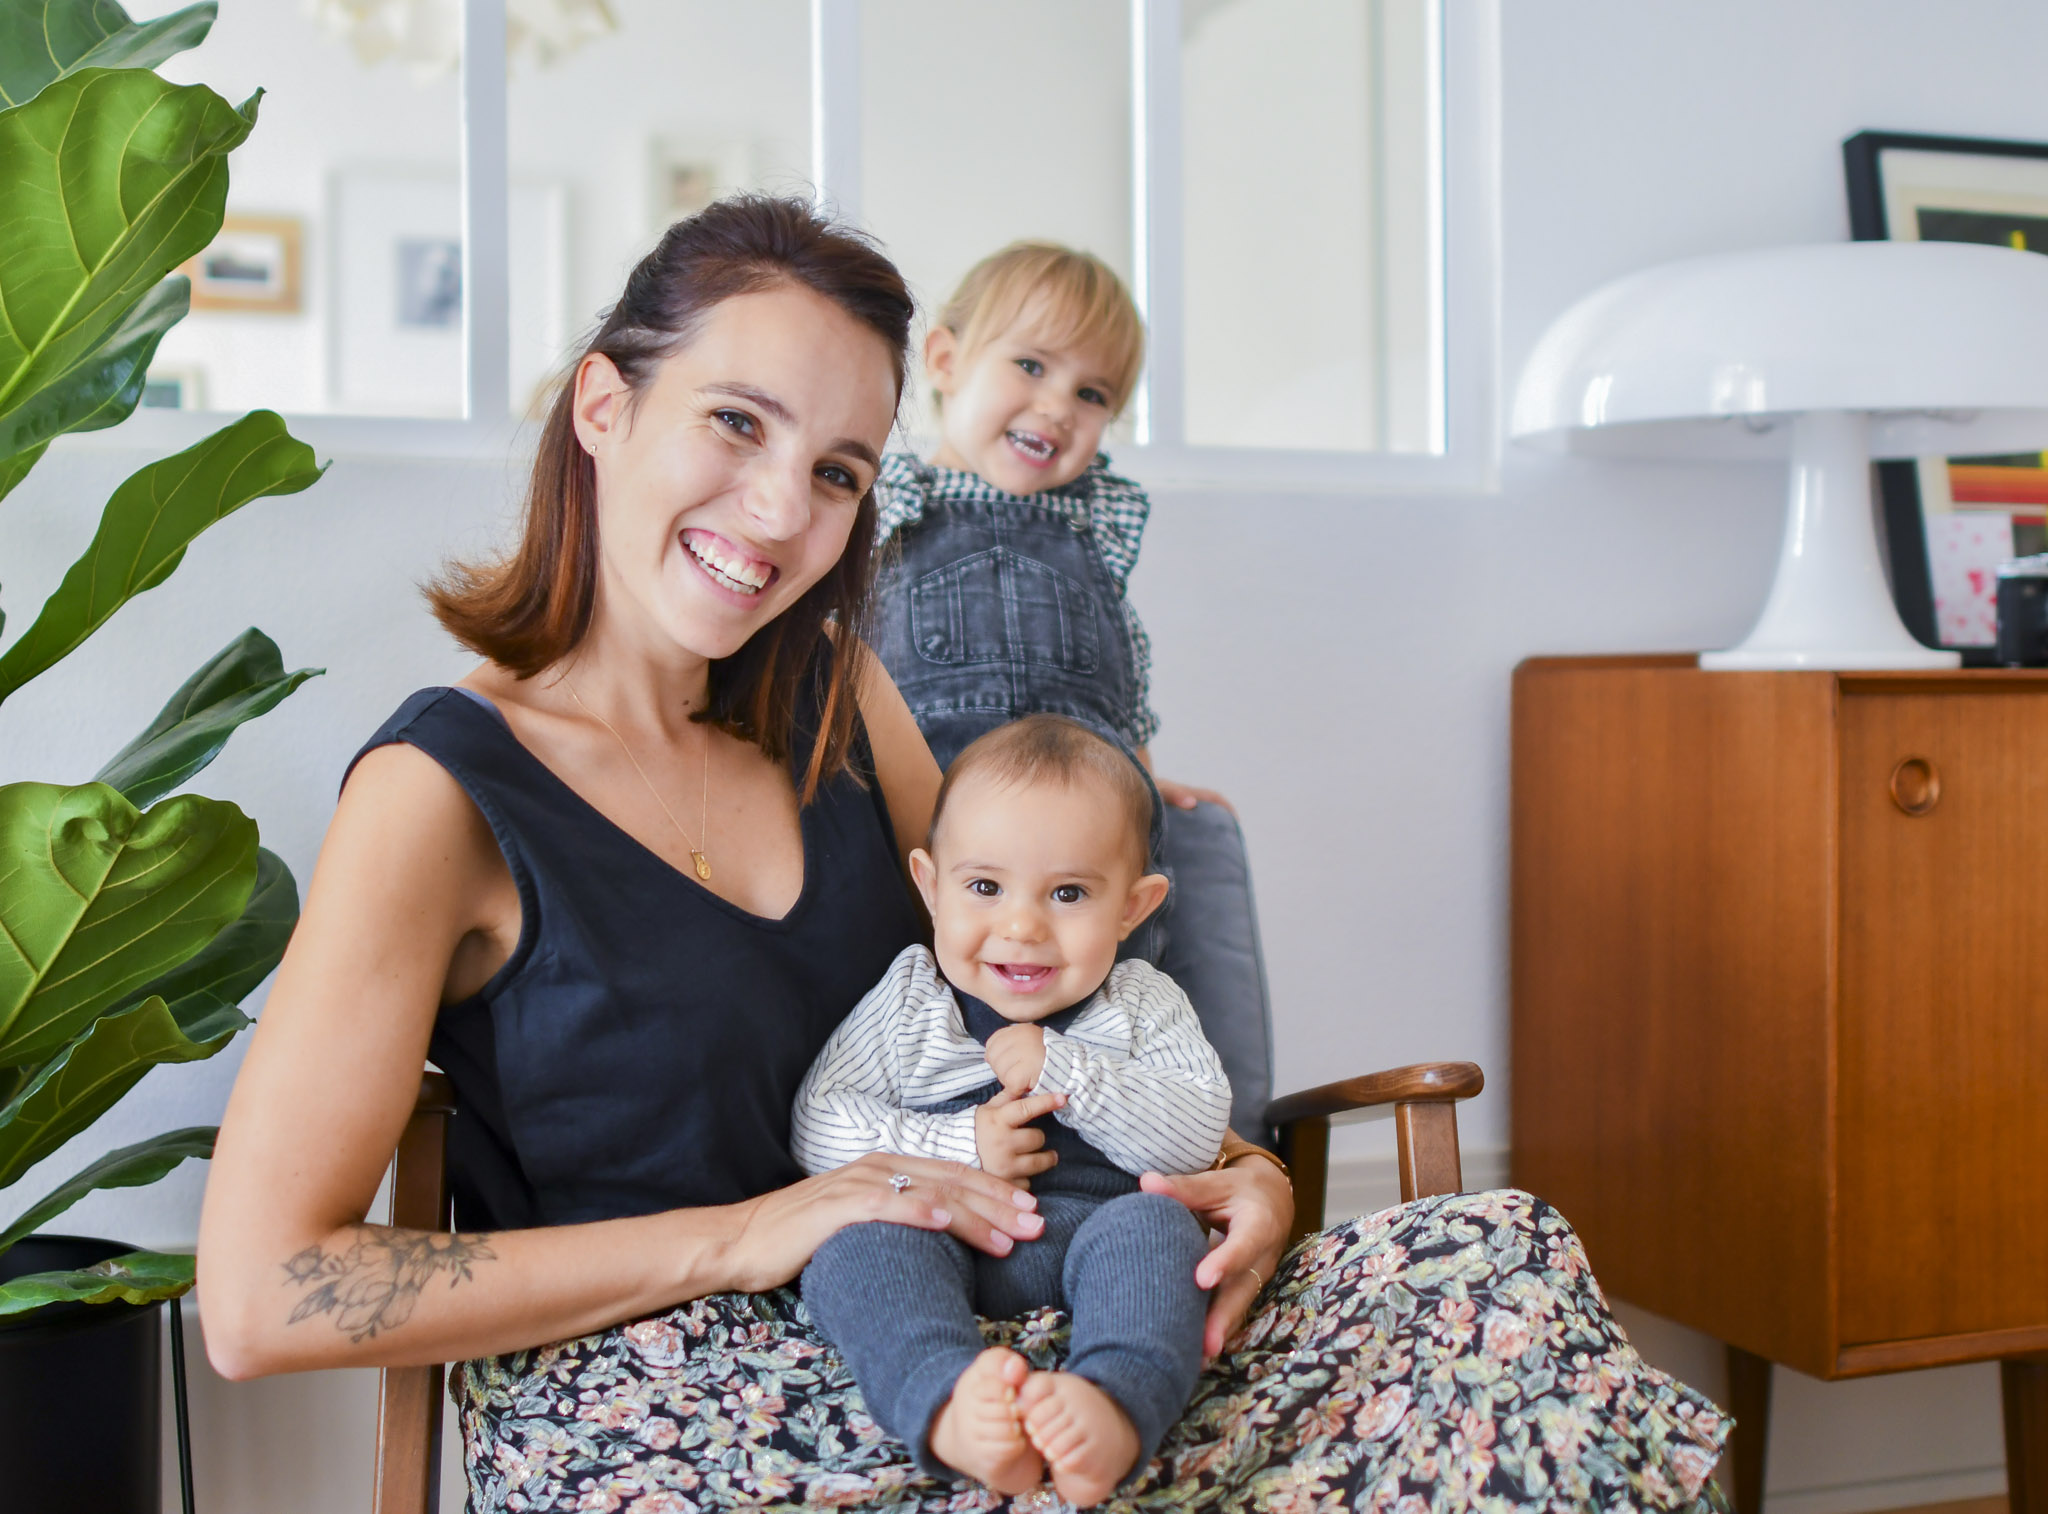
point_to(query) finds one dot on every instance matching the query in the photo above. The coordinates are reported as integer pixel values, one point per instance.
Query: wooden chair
(1424, 1098)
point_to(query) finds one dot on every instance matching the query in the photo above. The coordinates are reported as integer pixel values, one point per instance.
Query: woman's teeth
(735, 573)
(1032, 445)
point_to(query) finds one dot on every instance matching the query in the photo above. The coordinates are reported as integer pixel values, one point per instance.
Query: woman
(621, 884)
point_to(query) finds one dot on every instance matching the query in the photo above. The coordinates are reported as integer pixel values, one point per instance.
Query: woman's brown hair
(530, 608)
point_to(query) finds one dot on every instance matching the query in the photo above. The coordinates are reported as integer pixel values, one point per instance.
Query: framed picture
(174, 388)
(684, 176)
(253, 265)
(396, 318)
(1950, 521)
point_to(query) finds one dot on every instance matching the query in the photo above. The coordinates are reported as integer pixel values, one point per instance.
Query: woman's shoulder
(429, 720)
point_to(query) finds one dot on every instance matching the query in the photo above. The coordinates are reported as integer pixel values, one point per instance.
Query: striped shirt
(1112, 507)
(1143, 1085)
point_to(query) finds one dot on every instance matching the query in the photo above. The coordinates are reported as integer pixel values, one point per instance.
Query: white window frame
(1468, 326)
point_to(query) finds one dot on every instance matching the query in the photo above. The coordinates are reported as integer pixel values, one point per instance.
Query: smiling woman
(626, 1009)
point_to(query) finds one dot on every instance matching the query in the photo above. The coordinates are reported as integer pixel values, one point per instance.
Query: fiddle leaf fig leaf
(97, 899)
(148, 524)
(14, 469)
(113, 178)
(203, 991)
(103, 386)
(129, 1167)
(88, 1077)
(244, 679)
(139, 1277)
(43, 40)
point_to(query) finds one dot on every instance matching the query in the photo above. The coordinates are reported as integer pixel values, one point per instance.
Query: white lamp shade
(1944, 345)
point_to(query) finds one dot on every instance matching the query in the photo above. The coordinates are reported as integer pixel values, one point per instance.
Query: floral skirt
(1453, 1353)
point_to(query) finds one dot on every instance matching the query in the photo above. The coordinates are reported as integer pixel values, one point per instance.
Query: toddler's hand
(1004, 1139)
(1183, 797)
(1016, 1054)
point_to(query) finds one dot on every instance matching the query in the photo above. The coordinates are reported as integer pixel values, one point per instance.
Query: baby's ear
(925, 874)
(1146, 895)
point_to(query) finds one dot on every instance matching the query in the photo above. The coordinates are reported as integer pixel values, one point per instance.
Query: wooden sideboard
(1780, 1013)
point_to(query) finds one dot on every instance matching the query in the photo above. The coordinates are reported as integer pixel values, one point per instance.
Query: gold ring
(1255, 1276)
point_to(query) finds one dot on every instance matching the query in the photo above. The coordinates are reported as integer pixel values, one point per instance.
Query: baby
(1036, 872)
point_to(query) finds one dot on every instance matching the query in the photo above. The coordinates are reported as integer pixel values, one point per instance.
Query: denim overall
(990, 610)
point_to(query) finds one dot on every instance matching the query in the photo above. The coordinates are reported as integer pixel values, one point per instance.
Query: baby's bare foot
(1087, 1439)
(979, 1432)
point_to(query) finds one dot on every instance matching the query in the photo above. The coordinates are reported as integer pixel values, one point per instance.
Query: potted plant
(133, 918)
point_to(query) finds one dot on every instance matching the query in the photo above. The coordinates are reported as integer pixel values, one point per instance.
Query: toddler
(1002, 592)
(1037, 869)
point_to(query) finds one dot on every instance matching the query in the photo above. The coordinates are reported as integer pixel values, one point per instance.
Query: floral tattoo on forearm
(374, 1283)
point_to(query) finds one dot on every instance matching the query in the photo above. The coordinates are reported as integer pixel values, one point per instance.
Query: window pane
(336, 282)
(1312, 242)
(646, 112)
(985, 123)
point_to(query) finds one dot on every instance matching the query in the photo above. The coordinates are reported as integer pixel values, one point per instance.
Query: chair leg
(1426, 1138)
(2025, 1381)
(1749, 1400)
(1305, 1148)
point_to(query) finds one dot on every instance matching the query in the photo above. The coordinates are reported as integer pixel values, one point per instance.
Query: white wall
(1339, 665)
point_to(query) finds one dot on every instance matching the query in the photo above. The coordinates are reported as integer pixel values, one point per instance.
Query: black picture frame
(1904, 518)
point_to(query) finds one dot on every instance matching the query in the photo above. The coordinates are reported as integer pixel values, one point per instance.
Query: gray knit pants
(900, 1304)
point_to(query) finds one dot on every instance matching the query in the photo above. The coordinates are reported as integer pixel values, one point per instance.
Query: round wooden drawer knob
(1916, 786)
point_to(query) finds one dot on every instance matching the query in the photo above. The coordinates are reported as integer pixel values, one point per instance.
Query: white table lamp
(1832, 355)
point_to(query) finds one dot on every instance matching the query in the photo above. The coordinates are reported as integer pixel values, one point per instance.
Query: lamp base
(1745, 659)
(1829, 606)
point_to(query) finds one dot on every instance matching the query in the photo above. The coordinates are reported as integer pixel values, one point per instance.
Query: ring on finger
(1255, 1276)
(899, 1181)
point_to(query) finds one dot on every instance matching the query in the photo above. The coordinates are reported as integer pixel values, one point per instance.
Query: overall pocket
(965, 612)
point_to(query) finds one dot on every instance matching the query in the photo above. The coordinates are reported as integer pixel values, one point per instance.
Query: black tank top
(642, 1046)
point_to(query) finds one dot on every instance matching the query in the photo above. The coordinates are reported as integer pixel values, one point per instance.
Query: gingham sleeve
(901, 488)
(1144, 719)
(1117, 510)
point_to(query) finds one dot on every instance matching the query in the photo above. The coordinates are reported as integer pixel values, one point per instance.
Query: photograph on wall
(1950, 521)
(685, 175)
(395, 327)
(252, 265)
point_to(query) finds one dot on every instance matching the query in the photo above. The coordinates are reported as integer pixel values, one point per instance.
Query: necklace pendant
(703, 864)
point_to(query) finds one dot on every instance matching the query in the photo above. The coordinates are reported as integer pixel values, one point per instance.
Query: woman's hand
(1253, 1205)
(1184, 796)
(1181, 796)
(779, 1231)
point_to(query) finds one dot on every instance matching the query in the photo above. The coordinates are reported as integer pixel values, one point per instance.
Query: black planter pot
(81, 1394)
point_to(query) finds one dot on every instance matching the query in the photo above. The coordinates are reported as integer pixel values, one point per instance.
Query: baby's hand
(1004, 1139)
(1016, 1053)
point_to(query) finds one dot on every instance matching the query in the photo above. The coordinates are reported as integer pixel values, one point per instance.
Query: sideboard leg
(2025, 1381)
(1749, 1400)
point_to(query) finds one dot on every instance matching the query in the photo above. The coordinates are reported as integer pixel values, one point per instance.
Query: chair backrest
(1226, 978)
(408, 1478)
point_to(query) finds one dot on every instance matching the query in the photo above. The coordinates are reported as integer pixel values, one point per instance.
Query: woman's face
(730, 486)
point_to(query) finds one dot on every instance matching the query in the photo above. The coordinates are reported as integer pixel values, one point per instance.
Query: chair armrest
(1422, 1083)
(1425, 1099)
(436, 1095)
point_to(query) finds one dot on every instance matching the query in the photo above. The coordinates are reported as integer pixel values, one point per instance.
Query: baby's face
(1022, 411)
(1031, 887)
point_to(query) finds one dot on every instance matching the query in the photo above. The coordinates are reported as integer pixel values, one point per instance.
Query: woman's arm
(409, 905)
(903, 763)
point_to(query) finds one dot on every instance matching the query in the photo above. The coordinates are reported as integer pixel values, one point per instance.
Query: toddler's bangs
(1084, 302)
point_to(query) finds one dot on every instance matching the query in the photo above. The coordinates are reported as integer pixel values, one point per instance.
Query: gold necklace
(704, 821)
